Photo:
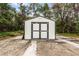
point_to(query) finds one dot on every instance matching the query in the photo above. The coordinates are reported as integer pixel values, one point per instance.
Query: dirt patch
(75, 40)
(56, 48)
(14, 47)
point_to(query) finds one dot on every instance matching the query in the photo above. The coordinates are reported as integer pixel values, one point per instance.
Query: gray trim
(47, 30)
(40, 30)
(55, 31)
(31, 31)
(39, 39)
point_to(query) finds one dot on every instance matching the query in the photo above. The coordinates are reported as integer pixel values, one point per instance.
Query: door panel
(43, 26)
(35, 34)
(43, 34)
(36, 26)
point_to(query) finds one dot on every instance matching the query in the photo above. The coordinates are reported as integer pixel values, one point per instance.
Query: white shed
(39, 28)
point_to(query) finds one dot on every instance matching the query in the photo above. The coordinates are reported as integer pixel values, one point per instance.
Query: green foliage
(66, 16)
(46, 11)
(77, 28)
(15, 33)
(6, 15)
(35, 8)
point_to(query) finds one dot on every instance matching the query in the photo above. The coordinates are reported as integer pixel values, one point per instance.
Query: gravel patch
(75, 40)
(31, 50)
(56, 48)
(13, 47)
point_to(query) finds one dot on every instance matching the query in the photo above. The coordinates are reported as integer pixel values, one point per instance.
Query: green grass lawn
(10, 34)
(72, 35)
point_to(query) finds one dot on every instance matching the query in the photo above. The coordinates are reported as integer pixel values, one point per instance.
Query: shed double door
(39, 30)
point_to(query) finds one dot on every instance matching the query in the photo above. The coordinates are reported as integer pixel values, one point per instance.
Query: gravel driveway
(56, 48)
(13, 47)
(18, 47)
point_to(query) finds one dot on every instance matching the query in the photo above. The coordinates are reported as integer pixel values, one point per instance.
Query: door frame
(40, 30)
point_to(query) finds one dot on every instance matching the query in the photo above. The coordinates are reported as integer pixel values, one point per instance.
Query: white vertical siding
(51, 30)
(27, 30)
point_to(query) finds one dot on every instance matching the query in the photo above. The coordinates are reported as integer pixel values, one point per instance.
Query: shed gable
(40, 19)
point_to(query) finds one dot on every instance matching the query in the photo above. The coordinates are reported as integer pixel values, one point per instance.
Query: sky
(15, 5)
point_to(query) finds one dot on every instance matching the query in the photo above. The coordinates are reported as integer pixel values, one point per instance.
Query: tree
(66, 14)
(45, 10)
(21, 16)
(35, 9)
(6, 16)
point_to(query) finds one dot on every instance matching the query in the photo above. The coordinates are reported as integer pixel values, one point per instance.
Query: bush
(15, 33)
